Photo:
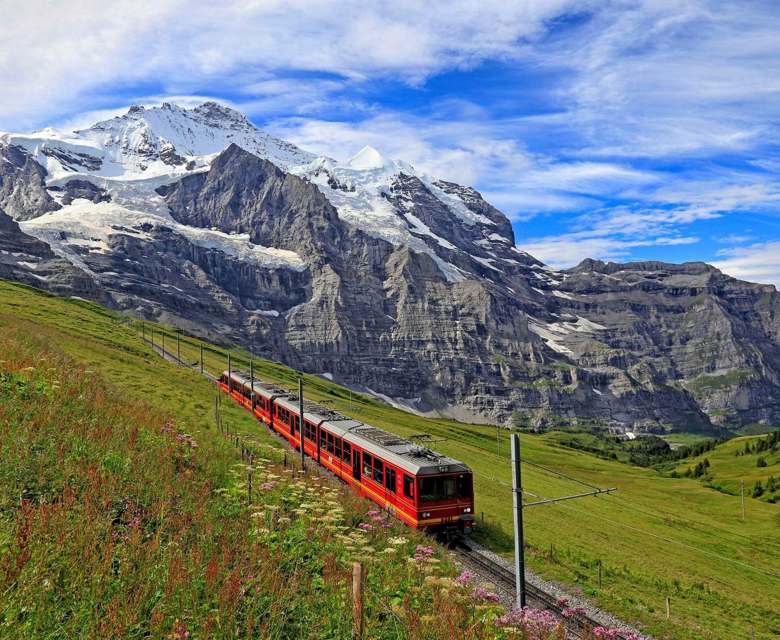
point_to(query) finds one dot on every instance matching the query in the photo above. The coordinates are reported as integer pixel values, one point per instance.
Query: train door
(356, 464)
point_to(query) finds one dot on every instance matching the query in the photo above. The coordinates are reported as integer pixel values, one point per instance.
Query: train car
(424, 489)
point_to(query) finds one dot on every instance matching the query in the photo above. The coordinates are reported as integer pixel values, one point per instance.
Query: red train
(426, 490)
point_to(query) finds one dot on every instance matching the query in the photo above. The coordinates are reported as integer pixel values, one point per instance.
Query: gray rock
(23, 192)
(643, 346)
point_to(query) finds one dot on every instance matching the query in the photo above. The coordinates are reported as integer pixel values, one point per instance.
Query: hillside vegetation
(658, 536)
(754, 460)
(121, 519)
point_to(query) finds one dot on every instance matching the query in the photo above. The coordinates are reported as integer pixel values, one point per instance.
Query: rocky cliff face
(379, 276)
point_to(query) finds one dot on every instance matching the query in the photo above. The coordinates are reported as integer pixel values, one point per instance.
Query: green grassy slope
(729, 464)
(656, 537)
(125, 514)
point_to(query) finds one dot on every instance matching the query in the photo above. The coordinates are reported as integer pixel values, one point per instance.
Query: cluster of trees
(770, 442)
(699, 470)
(759, 489)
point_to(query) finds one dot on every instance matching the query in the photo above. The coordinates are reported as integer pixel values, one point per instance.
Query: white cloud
(56, 57)
(568, 250)
(661, 77)
(757, 262)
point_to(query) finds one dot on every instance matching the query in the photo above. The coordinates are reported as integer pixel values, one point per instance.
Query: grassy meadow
(655, 537)
(729, 464)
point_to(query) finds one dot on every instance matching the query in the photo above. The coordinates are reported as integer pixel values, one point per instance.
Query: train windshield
(445, 488)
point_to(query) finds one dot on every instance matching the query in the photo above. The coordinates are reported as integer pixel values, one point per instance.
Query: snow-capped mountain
(376, 274)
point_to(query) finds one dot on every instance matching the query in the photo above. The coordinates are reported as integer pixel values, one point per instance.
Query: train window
(438, 488)
(379, 471)
(464, 486)
(323, 440)
(338, 447)
(347, 452)
(330, 443)
(366, 464)
(390, 479)
(408, 486)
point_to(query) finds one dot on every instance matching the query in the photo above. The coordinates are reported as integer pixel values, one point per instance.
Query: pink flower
(422, 553)
(365, 526)
(568, 612)
(536, 624)
(480, 594)
(267, 486)
(465, 577)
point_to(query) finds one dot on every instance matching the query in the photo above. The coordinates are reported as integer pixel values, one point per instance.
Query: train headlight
(426, 515)
(467, 510)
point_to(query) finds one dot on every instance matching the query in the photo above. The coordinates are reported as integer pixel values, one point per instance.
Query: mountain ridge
(379, 276)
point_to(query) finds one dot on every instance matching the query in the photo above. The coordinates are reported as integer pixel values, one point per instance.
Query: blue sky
(617, 130)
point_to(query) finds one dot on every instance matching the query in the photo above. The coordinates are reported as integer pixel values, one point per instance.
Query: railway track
(577, 625)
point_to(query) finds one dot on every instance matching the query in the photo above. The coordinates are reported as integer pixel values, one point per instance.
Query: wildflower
(568, 612)
(180, 631)
(536, 624)
(465, 577)
(423, 553)
(364, 526)
(398, 540)
(480, 594)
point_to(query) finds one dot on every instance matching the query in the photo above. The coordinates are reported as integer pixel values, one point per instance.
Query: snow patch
(404, 404)
(88, 225)
(368, 159)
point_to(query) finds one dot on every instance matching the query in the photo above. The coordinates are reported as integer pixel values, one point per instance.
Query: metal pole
(178, 349)
(517, 491)
(230, 381)
(163, 343)
(252, 381)
(201, 357)
(300, 435)
(742, 495)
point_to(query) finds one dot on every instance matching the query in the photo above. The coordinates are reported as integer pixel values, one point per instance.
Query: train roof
(406, 454)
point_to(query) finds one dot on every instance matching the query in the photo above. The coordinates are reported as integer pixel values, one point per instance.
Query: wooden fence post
(599, 573)
(358, 581)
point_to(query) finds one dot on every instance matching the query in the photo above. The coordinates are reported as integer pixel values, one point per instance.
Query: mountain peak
(367, 159)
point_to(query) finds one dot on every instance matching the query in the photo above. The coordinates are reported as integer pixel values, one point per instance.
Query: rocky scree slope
(377, 275)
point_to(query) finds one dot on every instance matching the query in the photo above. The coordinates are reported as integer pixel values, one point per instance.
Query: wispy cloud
(758, 262)
(56, 57)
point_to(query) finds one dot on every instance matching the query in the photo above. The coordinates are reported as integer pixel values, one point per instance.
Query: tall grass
(115, 522)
